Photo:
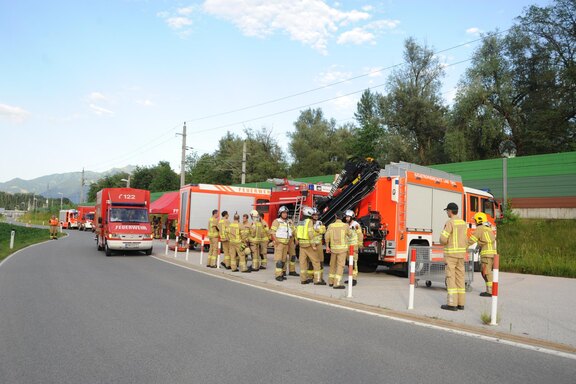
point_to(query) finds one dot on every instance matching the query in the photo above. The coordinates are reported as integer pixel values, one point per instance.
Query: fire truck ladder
(297, 209)
(358, 180)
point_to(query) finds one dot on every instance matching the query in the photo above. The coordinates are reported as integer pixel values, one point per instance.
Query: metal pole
(183, 164)
(243, 163)
(505, 184)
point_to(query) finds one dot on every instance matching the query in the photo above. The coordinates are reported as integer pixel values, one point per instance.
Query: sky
(101, 84)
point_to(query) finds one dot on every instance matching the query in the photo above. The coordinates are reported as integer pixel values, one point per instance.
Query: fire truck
(86, 217)
(122, 222)
(198, 200)
(68, 218)
(399, 206)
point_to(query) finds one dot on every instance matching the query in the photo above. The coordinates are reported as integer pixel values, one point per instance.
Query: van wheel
(107, 250)
(149, 251)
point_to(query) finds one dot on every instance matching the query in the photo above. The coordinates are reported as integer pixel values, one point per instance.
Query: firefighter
(223, 230)
(256, 233)
(319, 231)
(356, 240)
(245, 228)
(484, 236)
(263, 242)
(305, 235)
(453, 237)
(238, 239)
(281, 232)
(53, 227)
(213, 236)
(336, 238)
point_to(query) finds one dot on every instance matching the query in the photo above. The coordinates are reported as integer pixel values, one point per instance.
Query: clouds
(12, 113)
(474, 31)
(313, 23)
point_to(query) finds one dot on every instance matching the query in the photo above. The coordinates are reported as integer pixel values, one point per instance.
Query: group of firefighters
(251, 238)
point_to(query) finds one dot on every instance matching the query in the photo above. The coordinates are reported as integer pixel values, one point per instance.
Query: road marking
(381, 315)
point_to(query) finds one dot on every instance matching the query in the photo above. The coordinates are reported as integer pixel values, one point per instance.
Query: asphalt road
(69, 314)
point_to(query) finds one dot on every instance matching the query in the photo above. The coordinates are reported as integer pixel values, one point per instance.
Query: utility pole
(183, 163)
(82, 187)
(243, 181)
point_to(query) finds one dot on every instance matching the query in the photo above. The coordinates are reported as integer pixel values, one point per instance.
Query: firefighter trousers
(264, 253)
(213, 252)
(308, 254)
(337, 262)
(280, 256)
(255, 250)
(487, 265)
(455, 281)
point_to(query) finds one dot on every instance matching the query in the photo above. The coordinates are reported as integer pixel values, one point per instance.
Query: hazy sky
(108, 83)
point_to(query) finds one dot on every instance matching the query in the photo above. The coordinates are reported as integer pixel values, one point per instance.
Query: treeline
(27, 201)
(517, 96)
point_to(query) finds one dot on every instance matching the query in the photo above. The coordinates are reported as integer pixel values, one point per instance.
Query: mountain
(66, 183)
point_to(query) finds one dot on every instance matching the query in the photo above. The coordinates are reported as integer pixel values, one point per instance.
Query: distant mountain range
(69, 184)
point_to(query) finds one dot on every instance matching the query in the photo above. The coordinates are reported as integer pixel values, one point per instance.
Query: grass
(24, 237)
(539, 247)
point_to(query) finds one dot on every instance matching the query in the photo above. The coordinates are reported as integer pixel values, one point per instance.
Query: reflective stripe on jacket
(282, 230)
(223, 225)
(213, 227)
(336, 235)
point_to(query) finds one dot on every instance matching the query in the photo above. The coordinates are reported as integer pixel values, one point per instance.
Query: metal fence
(431, 267)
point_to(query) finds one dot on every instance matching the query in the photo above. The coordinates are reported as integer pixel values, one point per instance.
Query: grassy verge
(539, 247)
(24, 237)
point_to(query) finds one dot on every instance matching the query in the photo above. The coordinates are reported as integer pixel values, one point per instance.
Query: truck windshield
(128, 215)
(89, 216)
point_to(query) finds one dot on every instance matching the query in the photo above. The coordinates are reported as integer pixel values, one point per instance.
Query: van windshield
(128, 215)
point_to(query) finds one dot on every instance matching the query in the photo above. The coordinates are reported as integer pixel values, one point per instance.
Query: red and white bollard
(494, 313)
(218, 256)
(176, 248)
(412, 278)
(201, 249)
(350, 270)
(167, 244)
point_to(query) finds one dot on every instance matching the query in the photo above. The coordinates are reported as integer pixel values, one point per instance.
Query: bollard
(494, 313)
(187, 248)
(350, 270)
(412, 278)
(167, 241)
(176, 248)
(201, 249)
(218, 257)
(12, 235)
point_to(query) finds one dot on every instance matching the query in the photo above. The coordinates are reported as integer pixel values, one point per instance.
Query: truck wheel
(107, 250)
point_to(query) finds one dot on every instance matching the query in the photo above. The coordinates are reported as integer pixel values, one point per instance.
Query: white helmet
(315, 211)
(282, 209)
(254, 213)
(307, 211)
(349, 213)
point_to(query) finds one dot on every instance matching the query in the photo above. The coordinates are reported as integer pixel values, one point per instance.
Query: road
(68, 314)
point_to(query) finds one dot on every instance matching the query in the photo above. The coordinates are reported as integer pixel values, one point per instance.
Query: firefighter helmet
(349, 213)
(282, 209)
(254, 213)
(480, 218)
(315, 211)
(307, 211)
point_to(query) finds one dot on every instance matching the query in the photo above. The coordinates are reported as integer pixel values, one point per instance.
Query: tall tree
(317, 146)
(369, 135)
(110, 181)
(413, 113)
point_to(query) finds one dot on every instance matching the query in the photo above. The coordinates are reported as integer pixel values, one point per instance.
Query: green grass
(23, 238)
(539, 247)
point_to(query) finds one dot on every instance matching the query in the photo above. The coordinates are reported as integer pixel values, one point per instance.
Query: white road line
(413, 322)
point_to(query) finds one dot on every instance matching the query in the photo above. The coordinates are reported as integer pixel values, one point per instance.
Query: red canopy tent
(167, 204)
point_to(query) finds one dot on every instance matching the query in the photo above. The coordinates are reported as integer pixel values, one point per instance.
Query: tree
(369, 135)
(110, 181)
(165, 179)
(317, 146)
(413, 113)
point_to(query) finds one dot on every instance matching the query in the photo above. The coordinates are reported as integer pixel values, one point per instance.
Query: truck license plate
(131, 245)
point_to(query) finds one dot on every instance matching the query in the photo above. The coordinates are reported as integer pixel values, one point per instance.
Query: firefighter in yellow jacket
(305, 234)
(356, 240)
(281, 232)
(223, 225)
(213, 236)
(263, 242)
(238, 239)
(484, 236)
(319, 231)
(454, 239)
(53, 227)
(336, 238)
(256, 233)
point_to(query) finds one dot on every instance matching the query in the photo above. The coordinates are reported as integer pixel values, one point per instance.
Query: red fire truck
(86, 217)
(69, 218)
(122, 222)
